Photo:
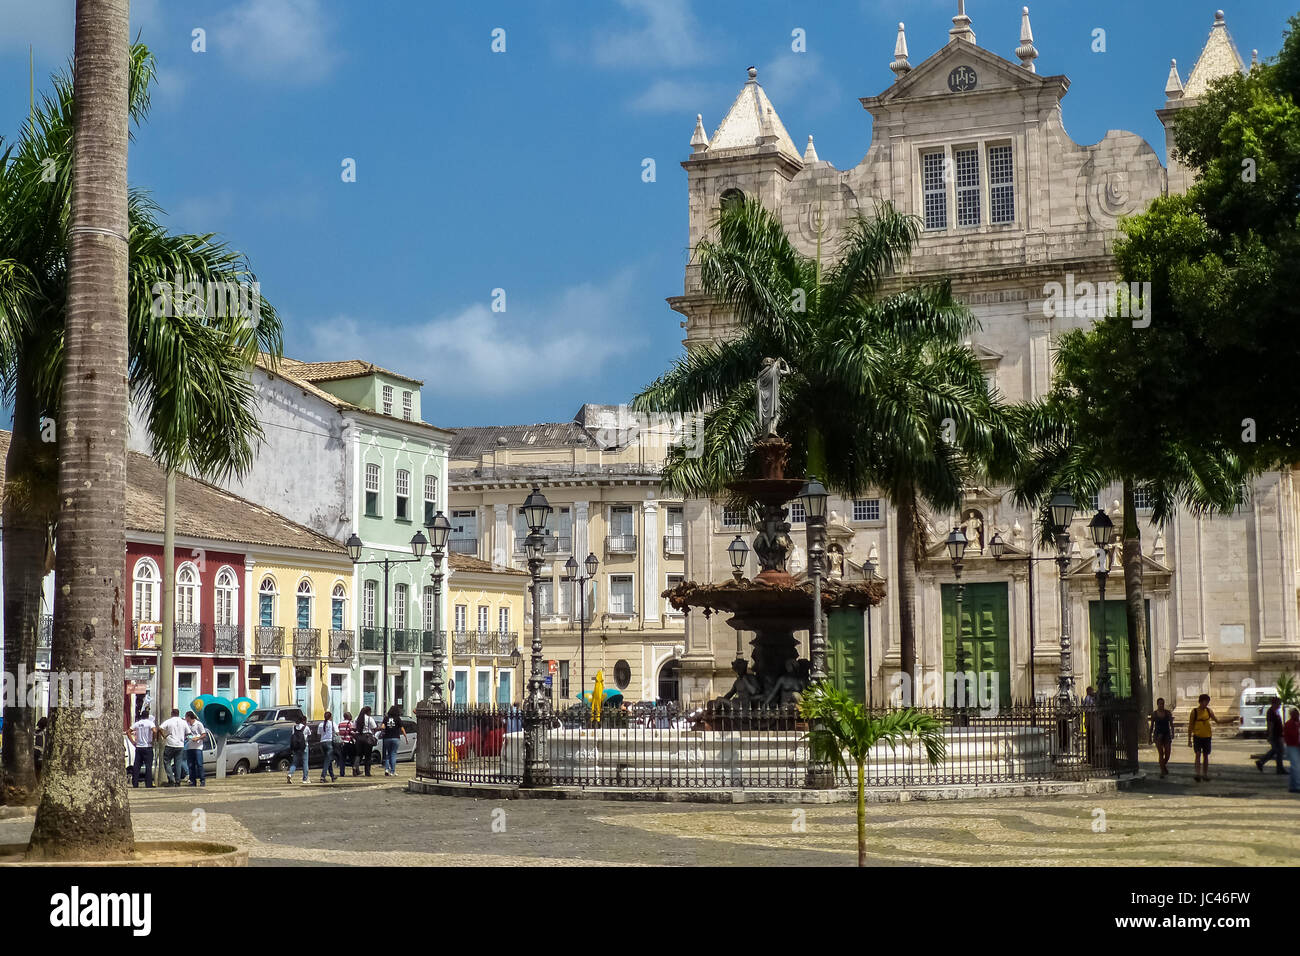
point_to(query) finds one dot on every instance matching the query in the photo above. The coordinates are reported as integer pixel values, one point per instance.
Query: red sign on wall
(552, 667)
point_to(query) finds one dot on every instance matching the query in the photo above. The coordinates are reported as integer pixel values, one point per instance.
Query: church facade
(1023, 219)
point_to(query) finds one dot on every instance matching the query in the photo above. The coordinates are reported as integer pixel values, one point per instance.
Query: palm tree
(1071, 446)
(841, 726)
(84, 810)
(883, 391)
(187, 369)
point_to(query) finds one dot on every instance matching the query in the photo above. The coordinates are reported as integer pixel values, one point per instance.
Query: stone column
(650, 562)
(502, 540)
(580, 544)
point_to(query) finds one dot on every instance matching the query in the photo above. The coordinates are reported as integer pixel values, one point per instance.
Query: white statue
(769, 395)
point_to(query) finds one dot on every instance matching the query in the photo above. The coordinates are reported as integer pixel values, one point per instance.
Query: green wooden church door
(985, 635)
(845, 651)
(1115, 622)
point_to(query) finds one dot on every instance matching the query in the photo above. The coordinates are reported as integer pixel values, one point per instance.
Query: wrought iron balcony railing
(343, 644)
(428, 639)
(620, 543)
(228, 640)
(187, 638)
(404, 640)
(306, 643)
(562, 543)
(674, 544)
(484, 643)
(372, 640)
(463, 545)
(268, 641)
(460, 643)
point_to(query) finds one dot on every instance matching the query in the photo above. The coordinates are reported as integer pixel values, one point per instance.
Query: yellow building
(302, 642)
(487, 617)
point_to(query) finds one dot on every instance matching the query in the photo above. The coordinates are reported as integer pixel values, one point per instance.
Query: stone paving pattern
(1240, 817)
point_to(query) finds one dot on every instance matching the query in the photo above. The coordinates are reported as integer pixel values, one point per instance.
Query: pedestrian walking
(1276, 746)
(141, 735)
(328, 733)
(1291, 737)
(1200, 735)
(1162, 734)
(173, 731)
(298, 742)
(346, 749)
(365, 738)
(38, 743)
(195, 734)
(393, 731)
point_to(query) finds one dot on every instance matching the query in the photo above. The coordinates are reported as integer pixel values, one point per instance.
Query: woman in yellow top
(1200, 735)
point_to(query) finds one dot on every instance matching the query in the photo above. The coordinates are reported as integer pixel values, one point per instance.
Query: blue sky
(522, 170)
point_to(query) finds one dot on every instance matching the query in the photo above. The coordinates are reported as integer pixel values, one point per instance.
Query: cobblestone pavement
(1239, 817)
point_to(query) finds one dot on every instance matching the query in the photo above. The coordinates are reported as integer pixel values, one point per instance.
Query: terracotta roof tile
(467, 562)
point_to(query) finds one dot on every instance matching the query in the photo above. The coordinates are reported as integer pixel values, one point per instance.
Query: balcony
(45, 631)
(268, 642)
(463, 546)
(427, 640)
(306, 643)
(561, 543)
(404, 640)
(674, 544)
(343, 644)
(484, 643)
(228, 640)
(372, 640)
(187, 638)
(620, 544)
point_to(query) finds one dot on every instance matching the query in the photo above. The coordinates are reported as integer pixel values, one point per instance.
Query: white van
(1254, 709)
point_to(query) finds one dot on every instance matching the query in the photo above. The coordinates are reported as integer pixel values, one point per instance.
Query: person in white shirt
(174, 748)
(195, 733)
(141, 735)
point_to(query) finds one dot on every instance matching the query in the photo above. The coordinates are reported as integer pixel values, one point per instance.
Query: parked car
(405, 745)
(274, 752)
(264, 714)
(1254, 709)
(241, 757)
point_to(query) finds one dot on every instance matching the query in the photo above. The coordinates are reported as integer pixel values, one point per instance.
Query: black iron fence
(664, 747)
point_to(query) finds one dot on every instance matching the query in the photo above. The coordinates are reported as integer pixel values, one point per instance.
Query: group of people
(348, 743)
(1283, 737)
(182, 749)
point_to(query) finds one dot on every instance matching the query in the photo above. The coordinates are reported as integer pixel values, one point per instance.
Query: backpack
(298, 741)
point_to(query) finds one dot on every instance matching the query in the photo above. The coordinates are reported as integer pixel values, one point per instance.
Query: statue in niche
(835, 561)
(769, 395)
(973, 526)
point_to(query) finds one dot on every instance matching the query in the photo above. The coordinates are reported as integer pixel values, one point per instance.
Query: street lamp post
(439, 529)
(738, 553)
(536, 510)
(1062, 513)
(418, 544)
(869, 569)
(571, 568)
(813, 495)
(956, 544)
(1103, 534)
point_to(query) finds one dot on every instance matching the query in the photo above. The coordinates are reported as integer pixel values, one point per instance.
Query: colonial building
(487, 664)
(601, 474)
(1023, 220)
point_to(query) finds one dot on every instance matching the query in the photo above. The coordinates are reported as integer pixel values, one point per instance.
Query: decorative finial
(1173, 88)
(900, 66)
(1254, 59)
(810, 154)
(699, 141)
(961, 25)
(753, 74)
(1026, 51)
(1218, 16)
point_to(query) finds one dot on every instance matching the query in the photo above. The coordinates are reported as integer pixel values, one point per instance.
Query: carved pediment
(960, 70)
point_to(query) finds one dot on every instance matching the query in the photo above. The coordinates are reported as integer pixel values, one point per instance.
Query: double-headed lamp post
(813, 495)
(580, 580)
(536, 511)
(1103, 534)
(956, 543)
(418, 545)
(439, 528)
(1061, 509)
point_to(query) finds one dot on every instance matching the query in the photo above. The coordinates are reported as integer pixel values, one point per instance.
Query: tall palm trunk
(906, 575)
(26, 537)
(1135, 602)
(84, 812)
(862, 813)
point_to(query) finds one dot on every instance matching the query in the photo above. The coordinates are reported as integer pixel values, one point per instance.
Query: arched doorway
(670, 682)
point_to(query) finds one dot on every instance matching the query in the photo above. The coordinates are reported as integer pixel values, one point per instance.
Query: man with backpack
(298, 744)
(1200, 735)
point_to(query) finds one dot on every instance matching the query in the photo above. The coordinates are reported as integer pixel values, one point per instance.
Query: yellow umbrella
(598, 696)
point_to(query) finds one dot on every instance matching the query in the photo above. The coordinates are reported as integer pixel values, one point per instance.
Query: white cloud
(670, 36)
(288, 40)
(678, 96)
(475, 351)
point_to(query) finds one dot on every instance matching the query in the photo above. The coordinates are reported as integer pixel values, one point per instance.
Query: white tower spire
(699, 141)
(1173, 88)
(810, 154)
(900, 66)
(1026, 51)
